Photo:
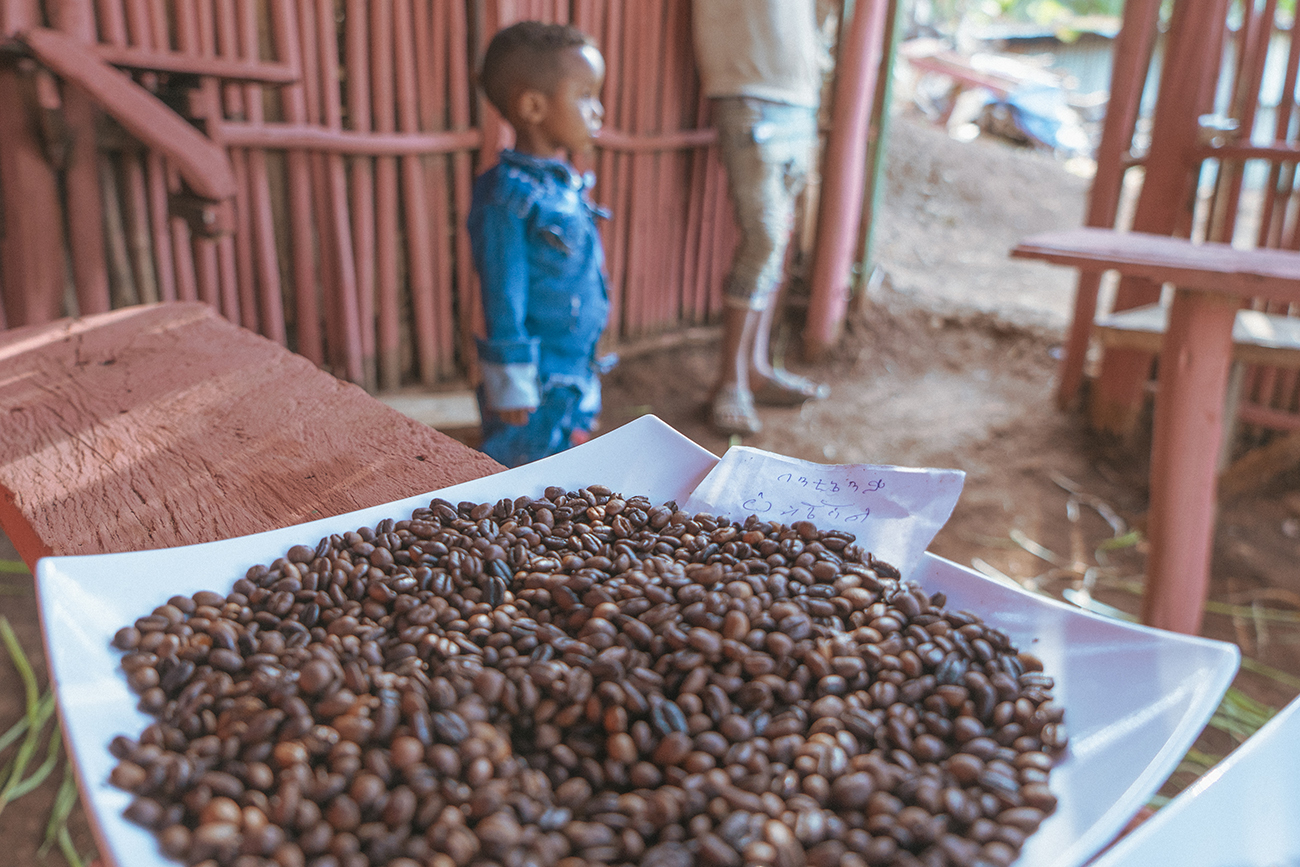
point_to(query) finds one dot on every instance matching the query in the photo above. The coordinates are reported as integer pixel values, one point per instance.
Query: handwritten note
(893, 511)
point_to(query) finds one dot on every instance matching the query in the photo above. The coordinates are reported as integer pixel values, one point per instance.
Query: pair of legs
(767, 149)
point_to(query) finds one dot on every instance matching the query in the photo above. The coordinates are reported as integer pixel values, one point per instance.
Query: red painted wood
(270, 295)
(166, 425)
(31, 249)
(843, 175)
(386, 195)
(203, 166)
(432, 33)
(323, 243)
(229, 69)
(419, 251)
(233, 104)
(1214, 280)
(471, 310)
(368, 143)
(67, 55)
(135, 196)
(361, 174)
(1186, 92)
(1184, 455)
(1132, 56)
(284, 28)
(337, 198)
(1209, 266)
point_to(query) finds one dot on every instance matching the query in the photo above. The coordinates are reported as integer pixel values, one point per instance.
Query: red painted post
(1188, 432)
(462, 96)
(31, 249)
(386, 197)
(337, 198)
(285, 37)
(431, 37)
(232, 103)
(1186, 89)
(420, 274)
(205, 255)
(141, 33)
(1132, 56)
(843, 175)
(270, 295)
(84, 202)
(357, 34)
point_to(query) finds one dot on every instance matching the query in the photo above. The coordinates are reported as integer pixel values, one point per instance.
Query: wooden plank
(165, 425)
(202, 164)
(229, 69)
(1210, 266)
(1258, 337)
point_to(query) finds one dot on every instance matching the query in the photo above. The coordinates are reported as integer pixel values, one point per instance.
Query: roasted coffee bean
(583, 678)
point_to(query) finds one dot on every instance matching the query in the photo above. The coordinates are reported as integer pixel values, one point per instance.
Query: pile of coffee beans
(583, 679)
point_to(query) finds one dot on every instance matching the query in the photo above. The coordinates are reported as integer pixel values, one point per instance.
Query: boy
(536, 248)
(758, 64)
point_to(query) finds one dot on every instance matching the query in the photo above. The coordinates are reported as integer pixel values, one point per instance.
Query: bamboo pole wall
(354, 133)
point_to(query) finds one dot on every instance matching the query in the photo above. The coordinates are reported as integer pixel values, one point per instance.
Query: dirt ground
(948, 362)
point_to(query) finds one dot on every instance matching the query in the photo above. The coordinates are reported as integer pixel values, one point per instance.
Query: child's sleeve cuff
(509, 371)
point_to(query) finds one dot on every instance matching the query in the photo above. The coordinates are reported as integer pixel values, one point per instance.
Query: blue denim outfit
(540, 261)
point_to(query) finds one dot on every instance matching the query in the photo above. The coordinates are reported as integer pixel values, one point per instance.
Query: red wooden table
(164, 425)
(1212, 282)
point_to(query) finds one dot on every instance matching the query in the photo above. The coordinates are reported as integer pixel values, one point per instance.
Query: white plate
(1244, 813)
(1135, 697)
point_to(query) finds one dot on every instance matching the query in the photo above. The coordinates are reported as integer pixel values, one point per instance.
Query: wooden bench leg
(1185, 446)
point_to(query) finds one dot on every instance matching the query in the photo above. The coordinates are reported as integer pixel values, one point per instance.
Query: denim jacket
(541, 265)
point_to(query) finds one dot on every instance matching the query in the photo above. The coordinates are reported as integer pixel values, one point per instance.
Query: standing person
(536, 247)
(758, 63)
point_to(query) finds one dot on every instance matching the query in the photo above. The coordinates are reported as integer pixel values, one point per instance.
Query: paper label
(893, 511)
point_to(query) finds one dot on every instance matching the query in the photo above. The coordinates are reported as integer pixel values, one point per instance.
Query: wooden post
(31, 244)
(843, 176)
(1196, 356)
(1132, 57)
(1186, 88)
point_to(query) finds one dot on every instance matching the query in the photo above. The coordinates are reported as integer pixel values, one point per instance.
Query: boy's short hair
(526, 54)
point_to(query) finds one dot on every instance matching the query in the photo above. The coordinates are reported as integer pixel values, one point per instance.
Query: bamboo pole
(420, 274)
(207, 271)
(361, 176)
(337, 199)
(432, 57)
(285, 37)
(270, 294)
(81, 177)
(386, 197)
(232, 100)
(471, 310)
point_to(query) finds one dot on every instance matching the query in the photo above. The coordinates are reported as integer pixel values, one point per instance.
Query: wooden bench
(1265, 339)
(166, 425)
(1257, 337)
(1212, 282)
